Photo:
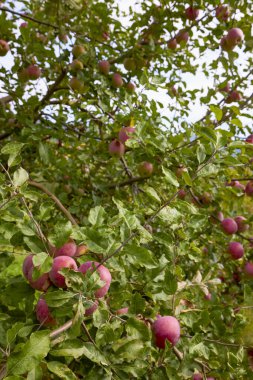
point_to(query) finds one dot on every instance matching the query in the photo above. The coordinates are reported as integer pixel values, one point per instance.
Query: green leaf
(170, 177)
(209, 133)
(217, 111)
(29, 354)
(61, 370)
(12, 148)
(20, 177)
(58, 298)
(152, 193)
(170, 282)
(96, 216)
(201, 153)
(187, 178)
(140, 256)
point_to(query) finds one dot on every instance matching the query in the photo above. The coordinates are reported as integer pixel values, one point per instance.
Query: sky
(198, 81)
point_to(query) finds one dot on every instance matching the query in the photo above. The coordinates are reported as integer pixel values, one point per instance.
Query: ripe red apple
(78, 50)
(238, 185)
(166, 328)
(91, 309)
(43, 313)
(229, 226)
(76, 84)
(116, 148)
(126, 133)
(23, 25)
(234, 96)
(42, 283)
(222, 12)
(208, 296)
(4, 48)
(130, 87)
(236, 250)
(172, 44)
(197, 376)
(33, 72)
(249, 139)
(191, 13)
(181, 194)
(59, 263)
(129, 64)
(27, 265)
(104, 275)
(235, 36)
(220, 216)
(122, 311)
(249, 188)
(248, 269)
(68, 249)
(242, 226)
(104, 67)
(182, 37)
(76, 65)
(81, 250)
(117, 80)
(145, 169)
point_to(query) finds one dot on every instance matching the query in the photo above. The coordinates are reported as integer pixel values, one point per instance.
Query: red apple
(145, 169)
(229, 226)
(104, 67)
(104, 275)
(182, 36)
(4, 48)
(191, 13)
(43, 314)
(126, 133)
(42, 283)
(222, 12)
(33, 72)
(236, 250)
(242, 226)
(220, 216)
(27, 265)
(81, 250)
(249, 139)
(225, 44)
(91, 309)
(234, 96)
(116, 148)
(172, 44)
(68, 249)
(181, 194)
(23, 25)
(122, 311)
(197, 376)
(166, 328)
(248, 269)
(235, 36)
(78, 50)
(208, 296)
(59, 263)
(117, 80)
(238, 185)
(249, 188)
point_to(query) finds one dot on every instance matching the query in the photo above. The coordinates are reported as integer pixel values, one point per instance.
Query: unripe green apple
(76, 65)
(76, 84)
(129, 64)
(78, 50)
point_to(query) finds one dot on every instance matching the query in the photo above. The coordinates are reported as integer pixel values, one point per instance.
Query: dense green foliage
(156, 229)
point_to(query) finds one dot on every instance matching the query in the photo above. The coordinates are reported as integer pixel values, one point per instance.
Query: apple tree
(126, 172)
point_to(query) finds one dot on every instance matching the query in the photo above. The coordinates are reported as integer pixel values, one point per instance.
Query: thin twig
(55, 199)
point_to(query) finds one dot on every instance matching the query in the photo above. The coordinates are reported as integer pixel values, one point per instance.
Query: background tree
(126, 248)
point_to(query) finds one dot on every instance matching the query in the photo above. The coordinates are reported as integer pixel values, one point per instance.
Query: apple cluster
(63, 257)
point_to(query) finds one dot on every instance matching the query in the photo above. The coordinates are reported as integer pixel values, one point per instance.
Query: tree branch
(61, 329)
(55, 199)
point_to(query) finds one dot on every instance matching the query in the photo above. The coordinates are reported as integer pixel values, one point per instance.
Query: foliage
(165, 248)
